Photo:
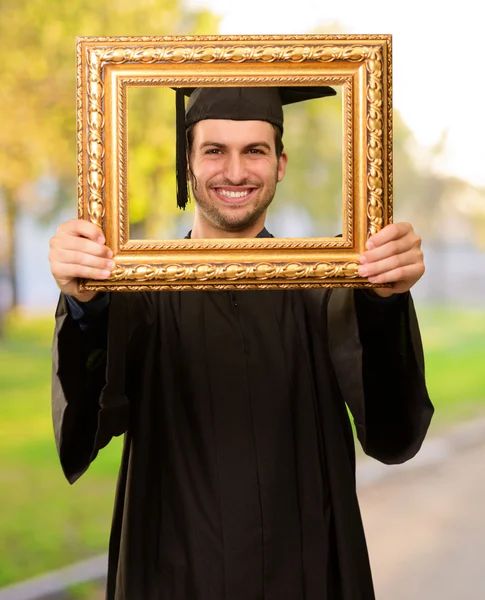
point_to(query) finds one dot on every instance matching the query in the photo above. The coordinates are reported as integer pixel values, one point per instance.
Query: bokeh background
(425, 526)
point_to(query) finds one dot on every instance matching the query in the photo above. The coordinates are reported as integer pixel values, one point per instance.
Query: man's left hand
(394, 256)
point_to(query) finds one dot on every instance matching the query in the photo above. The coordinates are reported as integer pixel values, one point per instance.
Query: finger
(391, 232)
(84, 259)
(72, 271)
(84, 228)
(409, 273)
(392, 248)
(63, 242)
(412, 257)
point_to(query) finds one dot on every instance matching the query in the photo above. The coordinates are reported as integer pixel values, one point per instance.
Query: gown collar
(264, 233)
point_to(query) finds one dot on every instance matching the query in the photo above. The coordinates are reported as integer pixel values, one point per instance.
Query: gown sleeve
(377, 354)
(89, 399)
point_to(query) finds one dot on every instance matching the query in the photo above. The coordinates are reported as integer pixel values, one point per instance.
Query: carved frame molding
(106, 67)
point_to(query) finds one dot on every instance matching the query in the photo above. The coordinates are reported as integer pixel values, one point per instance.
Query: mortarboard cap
(237, 104)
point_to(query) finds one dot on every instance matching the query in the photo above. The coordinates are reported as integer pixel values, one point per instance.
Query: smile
(238, 195)
(230, 194)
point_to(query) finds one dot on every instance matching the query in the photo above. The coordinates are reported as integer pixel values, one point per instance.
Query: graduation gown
(237, 479)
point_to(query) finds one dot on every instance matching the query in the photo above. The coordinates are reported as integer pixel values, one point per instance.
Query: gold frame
(361, 64)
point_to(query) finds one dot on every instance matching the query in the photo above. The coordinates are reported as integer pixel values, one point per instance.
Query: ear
(282, 162)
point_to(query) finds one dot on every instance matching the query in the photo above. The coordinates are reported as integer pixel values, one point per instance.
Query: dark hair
(278, 140)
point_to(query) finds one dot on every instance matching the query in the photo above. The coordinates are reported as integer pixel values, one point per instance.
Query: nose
(235, 168)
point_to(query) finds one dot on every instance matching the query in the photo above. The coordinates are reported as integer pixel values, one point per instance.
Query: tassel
(181, 150)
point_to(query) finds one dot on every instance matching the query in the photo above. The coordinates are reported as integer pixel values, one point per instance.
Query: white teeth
(229, 194)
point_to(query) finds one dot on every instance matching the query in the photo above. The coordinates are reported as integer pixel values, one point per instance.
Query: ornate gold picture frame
(361, 65)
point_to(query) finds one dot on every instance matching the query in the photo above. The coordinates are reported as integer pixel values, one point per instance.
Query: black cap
(236, 104)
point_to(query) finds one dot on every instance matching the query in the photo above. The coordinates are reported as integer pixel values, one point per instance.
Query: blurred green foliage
(38, 97)
(151, 162)
(39, 73)
(313, 181)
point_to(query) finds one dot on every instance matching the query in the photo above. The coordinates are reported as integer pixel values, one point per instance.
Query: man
(237, 480)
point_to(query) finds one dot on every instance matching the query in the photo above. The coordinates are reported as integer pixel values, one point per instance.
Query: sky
(438, 81)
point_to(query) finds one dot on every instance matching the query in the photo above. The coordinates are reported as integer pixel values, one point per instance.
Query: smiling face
(234, 170)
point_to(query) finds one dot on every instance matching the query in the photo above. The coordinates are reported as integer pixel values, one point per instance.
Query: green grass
(87, 591)
(454, 344)
(45, 523)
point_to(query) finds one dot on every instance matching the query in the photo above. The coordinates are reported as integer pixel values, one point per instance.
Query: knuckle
(76, 271)
(83, 258)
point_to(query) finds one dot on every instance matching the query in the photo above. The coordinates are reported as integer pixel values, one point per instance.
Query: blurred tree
(38, 92)
(471, 203)
(419, 189)
(313, 138)
(426, 195)
(151, 163)
(313, 183)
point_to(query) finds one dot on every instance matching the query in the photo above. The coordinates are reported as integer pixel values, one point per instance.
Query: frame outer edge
(383, 42)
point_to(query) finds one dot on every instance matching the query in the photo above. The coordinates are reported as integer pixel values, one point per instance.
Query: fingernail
(363, 271)
(369, 245)
(362, 258)
(111, 264)
(105, 273)
(101, 239)
(110, 254)
(373, 279)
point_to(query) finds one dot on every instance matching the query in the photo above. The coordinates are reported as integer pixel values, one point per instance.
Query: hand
(78, 251)
(394, 256)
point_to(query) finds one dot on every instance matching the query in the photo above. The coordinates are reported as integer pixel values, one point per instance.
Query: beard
(232, 218)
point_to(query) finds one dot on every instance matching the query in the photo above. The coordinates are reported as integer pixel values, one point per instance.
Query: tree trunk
(11, 212)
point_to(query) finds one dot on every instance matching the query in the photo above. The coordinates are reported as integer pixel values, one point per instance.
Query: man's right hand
(78, 250)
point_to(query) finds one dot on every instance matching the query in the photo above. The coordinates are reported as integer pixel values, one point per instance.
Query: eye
(255, 151)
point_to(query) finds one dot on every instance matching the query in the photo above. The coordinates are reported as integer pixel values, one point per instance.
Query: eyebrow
(247, 147)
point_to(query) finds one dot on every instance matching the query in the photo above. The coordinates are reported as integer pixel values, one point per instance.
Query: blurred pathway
(426, 530)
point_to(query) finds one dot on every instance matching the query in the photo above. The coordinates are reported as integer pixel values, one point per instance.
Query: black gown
(237, 479)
